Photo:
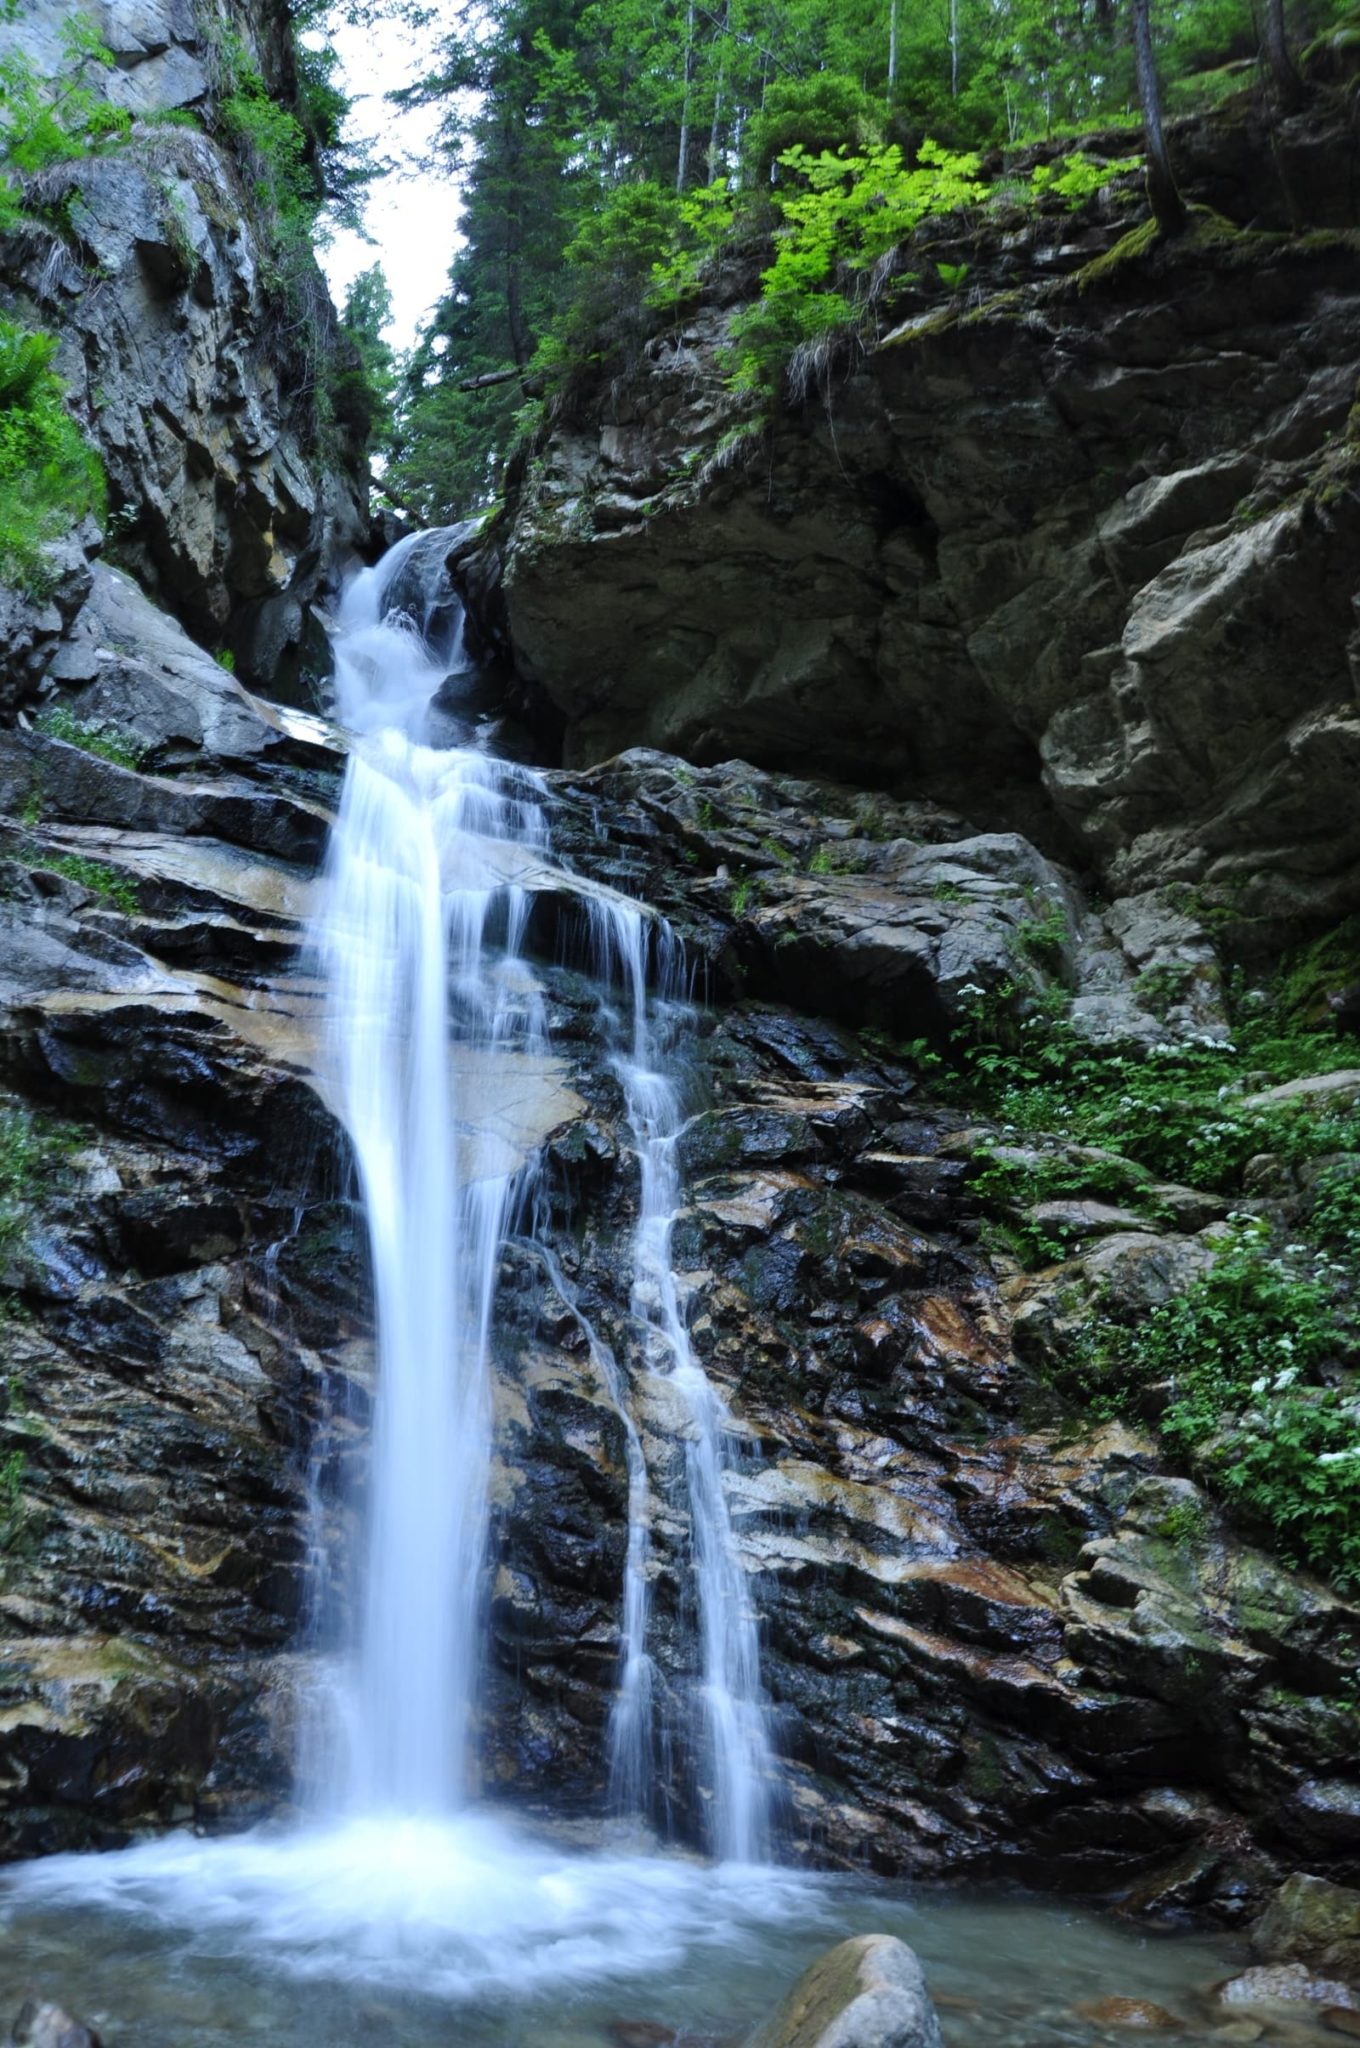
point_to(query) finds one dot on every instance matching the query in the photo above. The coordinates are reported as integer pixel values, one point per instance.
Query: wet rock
(1311, 1921)
(866, 1993)
(1290, 1984)
(1138, 2015)
(47, 2026)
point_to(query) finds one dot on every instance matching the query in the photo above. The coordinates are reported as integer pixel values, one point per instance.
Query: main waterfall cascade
(419, 945)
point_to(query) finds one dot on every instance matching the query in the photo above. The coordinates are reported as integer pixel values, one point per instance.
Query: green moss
(1129, 249)
(1322, 969)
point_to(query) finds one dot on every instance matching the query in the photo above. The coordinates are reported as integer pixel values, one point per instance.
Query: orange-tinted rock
(1138, 2014)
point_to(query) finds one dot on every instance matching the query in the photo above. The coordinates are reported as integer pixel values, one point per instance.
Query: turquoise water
(420, 1933)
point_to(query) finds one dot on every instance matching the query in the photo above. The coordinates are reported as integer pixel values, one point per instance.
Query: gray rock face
(1080, 563)
(179, 349)
(31, 628)
(866, 1993)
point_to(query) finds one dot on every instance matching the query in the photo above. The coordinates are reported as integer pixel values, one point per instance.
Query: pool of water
(416, 1933)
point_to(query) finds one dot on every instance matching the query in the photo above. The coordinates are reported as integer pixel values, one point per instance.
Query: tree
(1167, 205)
(1275, 49)
(362, 377)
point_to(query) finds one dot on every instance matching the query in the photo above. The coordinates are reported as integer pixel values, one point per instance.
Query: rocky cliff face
(191, 358)
(1074, 551)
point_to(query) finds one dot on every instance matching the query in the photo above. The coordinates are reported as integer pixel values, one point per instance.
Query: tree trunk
(682, 167)
(715, 131)
(1275, 49)
(1167, 205)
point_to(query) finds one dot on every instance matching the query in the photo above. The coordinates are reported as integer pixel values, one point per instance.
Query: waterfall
(730, 1731)
(418, 942)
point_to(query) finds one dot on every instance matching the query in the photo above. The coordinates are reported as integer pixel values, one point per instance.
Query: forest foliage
(612, 151)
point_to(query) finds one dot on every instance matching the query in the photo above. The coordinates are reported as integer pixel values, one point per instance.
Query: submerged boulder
(47, 2026)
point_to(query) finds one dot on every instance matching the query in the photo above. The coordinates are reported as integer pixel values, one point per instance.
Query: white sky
(411, 214)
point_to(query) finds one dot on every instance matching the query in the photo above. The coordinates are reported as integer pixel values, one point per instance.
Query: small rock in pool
(1286, 1984)
(47, 2026)
(1136, 2013)
(1338, 2019)
(641, 2034)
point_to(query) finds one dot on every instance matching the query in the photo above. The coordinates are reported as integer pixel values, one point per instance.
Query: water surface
(418, 1932)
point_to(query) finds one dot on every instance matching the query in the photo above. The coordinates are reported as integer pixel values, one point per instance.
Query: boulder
(869, 1992)
(1287, 1984)
(47, 2026)
(1311, 1921)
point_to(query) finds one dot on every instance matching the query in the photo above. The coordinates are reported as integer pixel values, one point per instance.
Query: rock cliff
(190, 348)
(1073, 550)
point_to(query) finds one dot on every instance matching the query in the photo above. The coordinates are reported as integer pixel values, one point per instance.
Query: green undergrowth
(105, 883)
(48, 121)
(59, 722)
(49, 478)
(1184, 1111)
(1252, 1371)
(33, 1149)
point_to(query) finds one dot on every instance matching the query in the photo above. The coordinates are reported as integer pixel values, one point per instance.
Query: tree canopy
(607, 147)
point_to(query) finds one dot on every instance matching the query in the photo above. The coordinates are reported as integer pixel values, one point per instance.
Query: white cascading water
(733, 1738)
(422, 863)
(418, 941)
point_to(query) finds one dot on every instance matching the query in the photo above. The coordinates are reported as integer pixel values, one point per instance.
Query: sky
(411, 214)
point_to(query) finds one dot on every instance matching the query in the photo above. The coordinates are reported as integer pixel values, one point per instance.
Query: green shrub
(46, 121)
(1078, 177)
(1251, 1356)
(49, 477)
(839, 214)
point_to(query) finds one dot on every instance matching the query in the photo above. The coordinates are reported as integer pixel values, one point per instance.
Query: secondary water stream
(400, 1894)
